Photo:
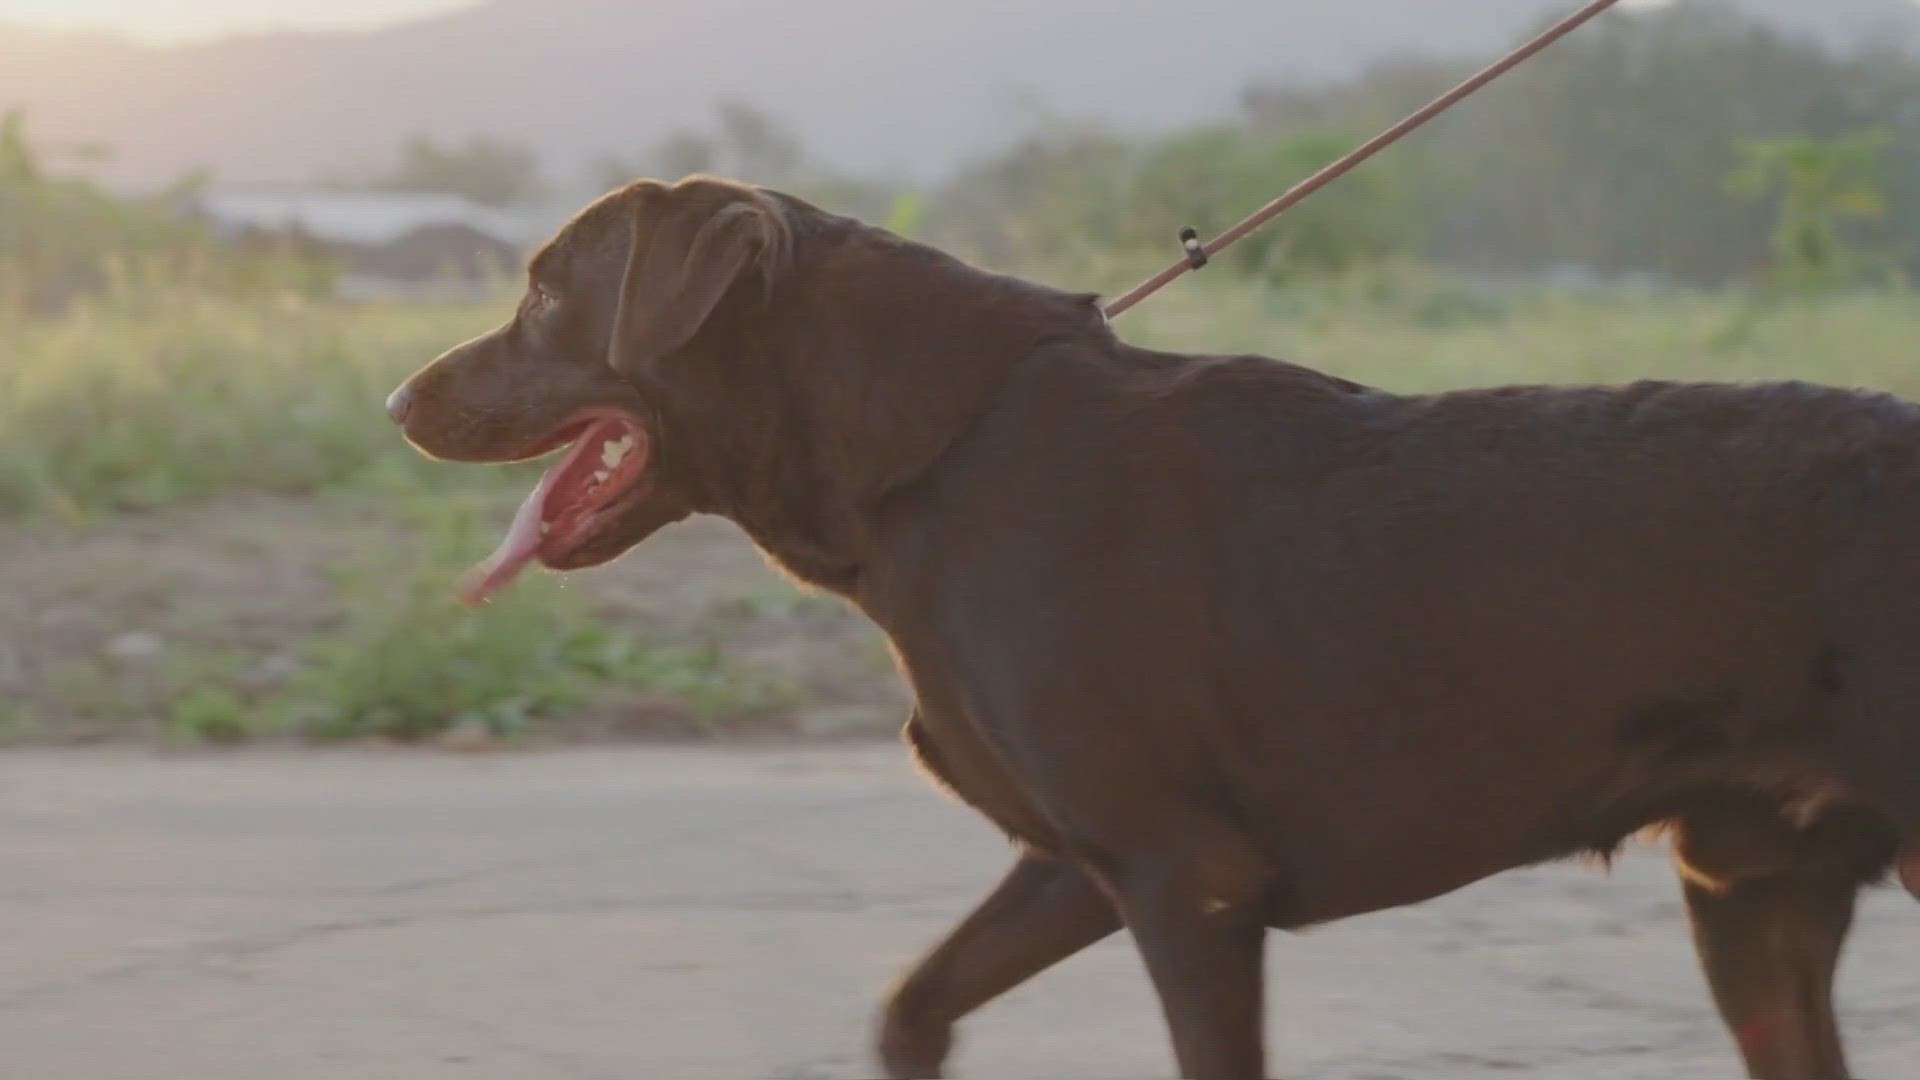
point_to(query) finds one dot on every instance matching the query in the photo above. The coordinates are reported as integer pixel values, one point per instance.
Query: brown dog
(1227, 644)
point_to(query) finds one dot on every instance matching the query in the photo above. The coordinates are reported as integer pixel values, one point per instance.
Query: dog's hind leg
(1769, 938)
(1044, 911)
(1197, 906)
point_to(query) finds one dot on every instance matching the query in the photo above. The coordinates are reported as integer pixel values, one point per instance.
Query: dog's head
(628, 286)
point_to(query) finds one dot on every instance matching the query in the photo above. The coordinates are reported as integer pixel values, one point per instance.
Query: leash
(1197, 254)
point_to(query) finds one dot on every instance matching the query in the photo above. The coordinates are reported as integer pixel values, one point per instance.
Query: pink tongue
(521, 544)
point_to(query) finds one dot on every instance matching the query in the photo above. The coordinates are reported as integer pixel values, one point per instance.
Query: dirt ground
(95, 615)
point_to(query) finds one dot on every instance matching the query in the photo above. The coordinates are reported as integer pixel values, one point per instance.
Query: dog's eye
(542, 298)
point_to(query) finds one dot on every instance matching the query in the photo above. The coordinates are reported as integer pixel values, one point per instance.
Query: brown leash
(1198, 253)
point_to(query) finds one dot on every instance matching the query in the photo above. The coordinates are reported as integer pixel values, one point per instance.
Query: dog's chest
(958, 761)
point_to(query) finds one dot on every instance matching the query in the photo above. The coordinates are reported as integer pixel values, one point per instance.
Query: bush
(409, 662)
(64, 239)
(184, 396)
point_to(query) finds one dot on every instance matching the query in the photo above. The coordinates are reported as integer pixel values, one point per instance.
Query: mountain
(905, 88)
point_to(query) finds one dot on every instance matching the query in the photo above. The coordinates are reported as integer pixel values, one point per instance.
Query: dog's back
(1556, 613)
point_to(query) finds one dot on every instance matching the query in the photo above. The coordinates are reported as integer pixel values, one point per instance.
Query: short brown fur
(1227, 644)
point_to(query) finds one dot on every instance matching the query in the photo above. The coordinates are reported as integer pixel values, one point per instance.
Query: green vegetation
(1610, 152)
(197, 478)
(409, 663)
(491, 172)
(749, 143)
(173, 395)
(1414, 331)
(1068, 194)
(200, 403)
(62, 238)
(193, 399)
(1824, 189)
(387, 653)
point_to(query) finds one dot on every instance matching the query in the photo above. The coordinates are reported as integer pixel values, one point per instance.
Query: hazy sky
(188, 20)
(180, 20)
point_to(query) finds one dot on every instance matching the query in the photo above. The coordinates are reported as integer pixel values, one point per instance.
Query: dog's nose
(399, 404)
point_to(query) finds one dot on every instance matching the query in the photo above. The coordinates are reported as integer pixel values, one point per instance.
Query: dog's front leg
(1045, 910)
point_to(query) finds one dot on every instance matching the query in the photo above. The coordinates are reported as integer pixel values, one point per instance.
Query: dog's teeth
(616, 451)
(601, 476)
(546, 527)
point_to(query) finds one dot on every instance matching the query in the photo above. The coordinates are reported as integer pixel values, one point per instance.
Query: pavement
(728, 913)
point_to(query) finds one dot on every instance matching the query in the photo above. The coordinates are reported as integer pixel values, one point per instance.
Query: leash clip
(1190, 243)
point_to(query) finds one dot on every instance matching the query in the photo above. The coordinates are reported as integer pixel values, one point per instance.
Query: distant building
(388, 244)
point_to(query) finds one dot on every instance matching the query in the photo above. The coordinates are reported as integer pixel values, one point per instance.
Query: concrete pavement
(686, 914)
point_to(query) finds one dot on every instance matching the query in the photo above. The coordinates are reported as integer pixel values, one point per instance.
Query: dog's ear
(687, 252)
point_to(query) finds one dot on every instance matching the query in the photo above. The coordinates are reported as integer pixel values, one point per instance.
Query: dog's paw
(910, 1048)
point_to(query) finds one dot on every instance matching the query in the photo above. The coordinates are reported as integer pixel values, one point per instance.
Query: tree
(746, 144)
(1819, 187)
(489, 171)
(1074, 187)
(63, 237)
(679, 155)
(1611, 151)
(684, 154)
(19, 166)
(758, 147)
(58, 235)
(749, 144)
(1211, 178)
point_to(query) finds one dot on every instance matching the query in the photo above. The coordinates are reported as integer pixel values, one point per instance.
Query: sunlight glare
(169, 21)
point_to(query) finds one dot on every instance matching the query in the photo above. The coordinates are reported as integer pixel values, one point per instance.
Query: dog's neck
(885, 353)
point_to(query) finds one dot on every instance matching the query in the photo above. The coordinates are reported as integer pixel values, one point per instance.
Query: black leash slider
(1190, 242)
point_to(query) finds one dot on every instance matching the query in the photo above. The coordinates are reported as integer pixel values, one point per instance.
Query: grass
(1412, 332)
(117, 409)
(403, 661)
(191, 398)
(121, 409)
(409, 662)
(17, 725)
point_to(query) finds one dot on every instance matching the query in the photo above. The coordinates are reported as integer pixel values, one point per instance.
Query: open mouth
(603, 473)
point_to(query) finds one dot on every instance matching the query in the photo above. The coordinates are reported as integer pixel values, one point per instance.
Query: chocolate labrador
(1226, 644)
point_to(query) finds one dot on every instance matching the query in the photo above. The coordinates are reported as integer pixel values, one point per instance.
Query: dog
(1225, 644)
